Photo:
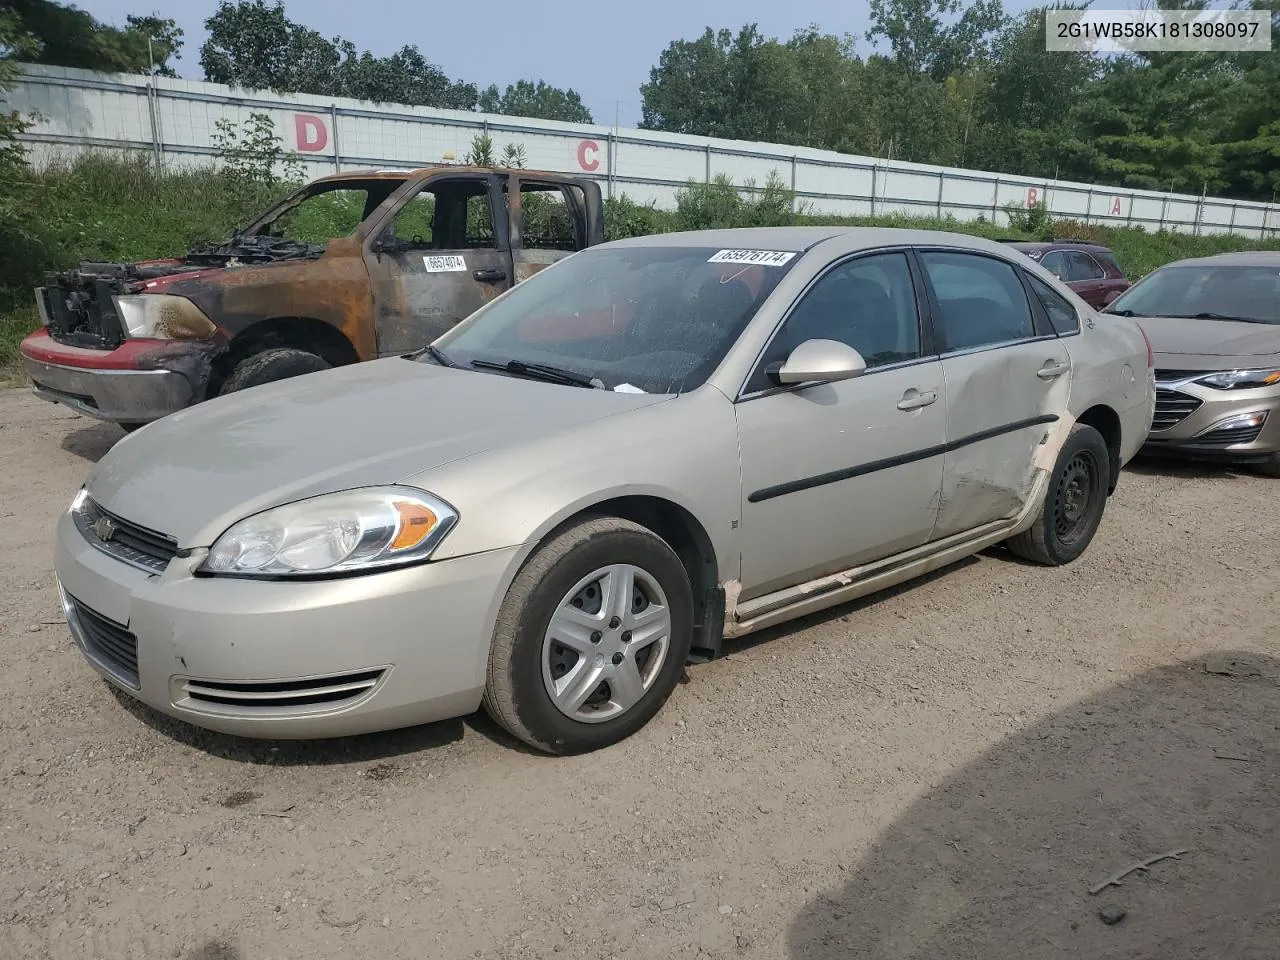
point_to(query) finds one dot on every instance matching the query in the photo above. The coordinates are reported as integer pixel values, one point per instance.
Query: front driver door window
(437, 260)
(839, 474)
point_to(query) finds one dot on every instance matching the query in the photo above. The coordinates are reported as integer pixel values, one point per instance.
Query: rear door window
(980, 301)
(1062, 316)
(1081, 266)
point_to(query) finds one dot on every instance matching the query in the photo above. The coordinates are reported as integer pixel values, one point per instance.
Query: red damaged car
(1089, 269)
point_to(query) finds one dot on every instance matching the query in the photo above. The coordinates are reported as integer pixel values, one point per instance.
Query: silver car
(646, 448)
(1214, 324)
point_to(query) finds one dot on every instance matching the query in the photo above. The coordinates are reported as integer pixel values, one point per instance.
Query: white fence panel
(175, 120)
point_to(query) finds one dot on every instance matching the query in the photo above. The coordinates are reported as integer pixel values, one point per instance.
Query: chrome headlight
(1241, 379)
(348, 532)
(162, 316)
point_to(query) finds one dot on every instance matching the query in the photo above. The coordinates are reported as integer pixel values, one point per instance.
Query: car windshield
(645, 318)
(1213, 292)
(327, 209)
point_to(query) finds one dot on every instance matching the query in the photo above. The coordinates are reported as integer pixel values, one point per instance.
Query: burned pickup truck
(352, 267)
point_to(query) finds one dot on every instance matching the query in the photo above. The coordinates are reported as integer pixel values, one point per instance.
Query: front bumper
(1215, 424)
(140, 381)
(288, 660)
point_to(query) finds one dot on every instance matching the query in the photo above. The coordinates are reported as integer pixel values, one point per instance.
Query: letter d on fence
(313, 136)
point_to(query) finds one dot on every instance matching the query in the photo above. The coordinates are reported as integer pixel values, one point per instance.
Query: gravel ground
(940, 771)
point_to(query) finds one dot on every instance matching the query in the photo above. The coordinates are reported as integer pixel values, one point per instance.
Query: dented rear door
(1007, 379)
(437, 258)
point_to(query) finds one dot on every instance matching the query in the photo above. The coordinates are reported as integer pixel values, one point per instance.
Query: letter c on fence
(589, 155)
(1032, 196)
(312, 134)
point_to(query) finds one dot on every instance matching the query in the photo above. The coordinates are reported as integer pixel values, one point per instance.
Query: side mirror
(821, 361)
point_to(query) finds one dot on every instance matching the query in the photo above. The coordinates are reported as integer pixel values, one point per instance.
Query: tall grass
(120, 208)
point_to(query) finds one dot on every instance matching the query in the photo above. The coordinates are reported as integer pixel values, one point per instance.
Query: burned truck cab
(349, 268)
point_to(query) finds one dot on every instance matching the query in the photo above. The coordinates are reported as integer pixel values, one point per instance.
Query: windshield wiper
(1208, 315)
(1125, 313)
(540, 371)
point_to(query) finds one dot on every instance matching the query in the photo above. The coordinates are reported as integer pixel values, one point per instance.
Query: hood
(192, 474)
(1187, 343)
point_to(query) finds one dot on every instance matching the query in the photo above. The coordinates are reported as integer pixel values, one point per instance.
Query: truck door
(550, 219)
(442, 254)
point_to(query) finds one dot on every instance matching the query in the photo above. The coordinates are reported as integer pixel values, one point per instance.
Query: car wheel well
(1107, 422)
(686, 536)
(302, 333)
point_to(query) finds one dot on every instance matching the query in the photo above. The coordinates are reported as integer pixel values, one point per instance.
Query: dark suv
(1089, 269)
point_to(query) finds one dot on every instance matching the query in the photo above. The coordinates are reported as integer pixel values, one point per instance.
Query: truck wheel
(1072, 507)
(278, 363)
(591, 639)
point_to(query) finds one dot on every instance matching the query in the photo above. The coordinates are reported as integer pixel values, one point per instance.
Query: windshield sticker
(627, 388)
(444, 264)
(768, 258)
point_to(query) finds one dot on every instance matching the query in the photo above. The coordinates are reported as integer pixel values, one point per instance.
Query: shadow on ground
(1149, 466)
(337, 750)
(845, 610)
(92, 443)
(996, 862)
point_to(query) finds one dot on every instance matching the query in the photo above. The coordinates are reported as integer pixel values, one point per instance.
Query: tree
(529, 99)
(258, 47)
(253, 45)
(724, 85)
(924, 45)
(65, 36)
(404, 77)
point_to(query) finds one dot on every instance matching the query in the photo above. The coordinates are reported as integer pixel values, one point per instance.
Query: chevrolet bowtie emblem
(104, 528)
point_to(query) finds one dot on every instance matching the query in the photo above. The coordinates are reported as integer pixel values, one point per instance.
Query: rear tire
(278, 363)
(1073, 504)
(558, 683)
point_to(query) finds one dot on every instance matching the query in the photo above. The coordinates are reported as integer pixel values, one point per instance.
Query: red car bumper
(139, 381)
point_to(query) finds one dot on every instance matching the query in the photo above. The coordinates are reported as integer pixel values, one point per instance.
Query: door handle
(489, 276)
(914, 399)
(1052, 369)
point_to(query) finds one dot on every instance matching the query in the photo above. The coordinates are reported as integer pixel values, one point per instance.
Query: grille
(125, 541)
(1173, 376)
(272, 695)
(1172, 408)
(1228, 436)
(106, 642)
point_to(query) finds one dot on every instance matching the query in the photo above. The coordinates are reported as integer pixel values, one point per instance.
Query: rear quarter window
(1062, 316)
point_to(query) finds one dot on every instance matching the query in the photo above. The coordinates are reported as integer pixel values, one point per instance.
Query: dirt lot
(939, 772)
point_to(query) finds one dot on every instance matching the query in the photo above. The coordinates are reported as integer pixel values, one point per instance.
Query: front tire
(267, 366)
(592, 638)
(1073, 504)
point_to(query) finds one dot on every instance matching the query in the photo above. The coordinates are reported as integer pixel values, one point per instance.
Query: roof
(799, 239)
(413, 173)
(1044, 245)
(1243, 258)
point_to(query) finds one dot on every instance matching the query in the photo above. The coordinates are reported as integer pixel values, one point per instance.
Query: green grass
(114, 208)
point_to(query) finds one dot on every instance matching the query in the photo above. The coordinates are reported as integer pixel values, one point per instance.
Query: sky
(605, 56)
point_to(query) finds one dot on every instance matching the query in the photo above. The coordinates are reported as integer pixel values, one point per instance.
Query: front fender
(683, 451)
